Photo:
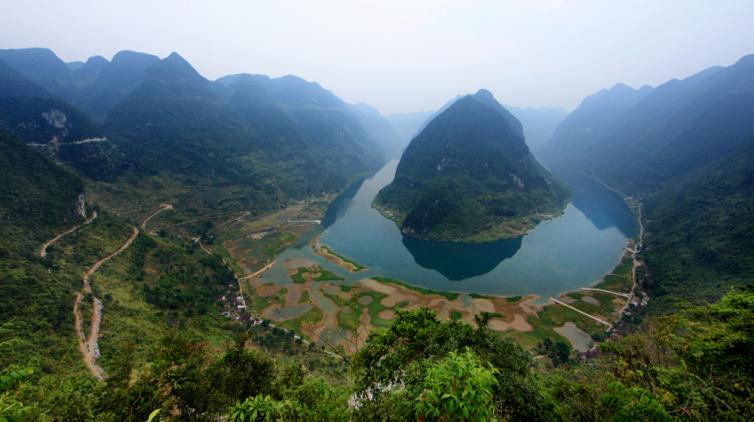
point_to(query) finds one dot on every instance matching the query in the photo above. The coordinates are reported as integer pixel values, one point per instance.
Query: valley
(181, 240)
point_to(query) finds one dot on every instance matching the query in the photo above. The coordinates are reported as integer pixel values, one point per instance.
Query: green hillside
(469, 176)
(701, 236)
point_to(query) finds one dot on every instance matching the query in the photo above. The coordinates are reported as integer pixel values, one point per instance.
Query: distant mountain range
(640, 139)
(685, 149)
(469, 176)
(275, 139)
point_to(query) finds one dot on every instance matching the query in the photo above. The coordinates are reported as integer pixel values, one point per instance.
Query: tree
(458, 387)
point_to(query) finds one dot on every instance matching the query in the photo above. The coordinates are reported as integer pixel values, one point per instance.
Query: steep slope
(700, 236)
(539, 123)
(101, 85)
(317, 116)
(36, 116)
(640, 140)
(246, 142)
(469, 176)
(34, 192)
(41, 66)
(95, 87)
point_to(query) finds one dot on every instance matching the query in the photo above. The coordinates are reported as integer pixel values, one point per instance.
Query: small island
(468, 176)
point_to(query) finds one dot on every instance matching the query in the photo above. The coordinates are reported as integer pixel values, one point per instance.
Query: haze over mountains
(539, 123)
(640, 139)
(244, 166)
(276, 139)
(468, 175)
(684, 149)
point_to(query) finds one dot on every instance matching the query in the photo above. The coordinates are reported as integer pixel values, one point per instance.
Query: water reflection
(603, 207)
(459, 261)
(339, 205)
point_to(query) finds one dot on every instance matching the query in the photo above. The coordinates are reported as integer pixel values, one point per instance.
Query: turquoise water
(573, 250)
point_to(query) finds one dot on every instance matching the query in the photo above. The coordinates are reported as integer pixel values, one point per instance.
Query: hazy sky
(406, 55)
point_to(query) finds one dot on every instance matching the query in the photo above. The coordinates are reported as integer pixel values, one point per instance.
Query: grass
(347, 319)
(619, 279)
(530, 339)
(312, 316)
(322, 274)
(325, 275)
(305, 297)
(375, 307)
(298, 276)
(356, 266)
(355, 308)
(447, 295)
(556, 315)
(513, 299)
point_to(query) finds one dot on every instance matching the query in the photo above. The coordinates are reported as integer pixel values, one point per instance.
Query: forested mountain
(94, 86)
(271, 139)
(36, 195)
(685, 149)
(539, 123)
(470, 176)
(701, 235)
(36, 116)
(639, 140)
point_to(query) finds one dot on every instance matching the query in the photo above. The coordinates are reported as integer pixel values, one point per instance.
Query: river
(565, 253)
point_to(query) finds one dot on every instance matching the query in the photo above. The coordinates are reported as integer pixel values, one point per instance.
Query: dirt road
(43, 248)
(88, 344)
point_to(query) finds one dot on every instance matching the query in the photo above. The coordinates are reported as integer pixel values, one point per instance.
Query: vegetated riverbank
(299, 296)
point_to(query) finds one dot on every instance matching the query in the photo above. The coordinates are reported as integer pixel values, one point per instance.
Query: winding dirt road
(163, 207)
(88, 344)
(43, 248)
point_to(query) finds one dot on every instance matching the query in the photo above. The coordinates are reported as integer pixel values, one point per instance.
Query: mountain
(539, 122)
(271, 139)
(33, 114)
(320, 118)
(638, 140)
(101, 85)
(36, 195)
(469, 176)
(700, 236)
(40, 66)
(94, 86)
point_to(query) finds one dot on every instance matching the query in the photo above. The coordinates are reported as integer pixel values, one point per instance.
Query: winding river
(568, 252)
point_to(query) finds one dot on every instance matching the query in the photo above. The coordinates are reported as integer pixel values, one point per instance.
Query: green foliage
(187, 282)
(446, 295)
(265, 409)
(458, 387)
(693, 365)
(700, 237)
(469, 176)
(559, 352)
(12, 409)
(415, 340)
(641, 140)
(632, 404)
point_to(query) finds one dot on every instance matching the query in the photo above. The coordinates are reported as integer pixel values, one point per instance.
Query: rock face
(469, 176)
